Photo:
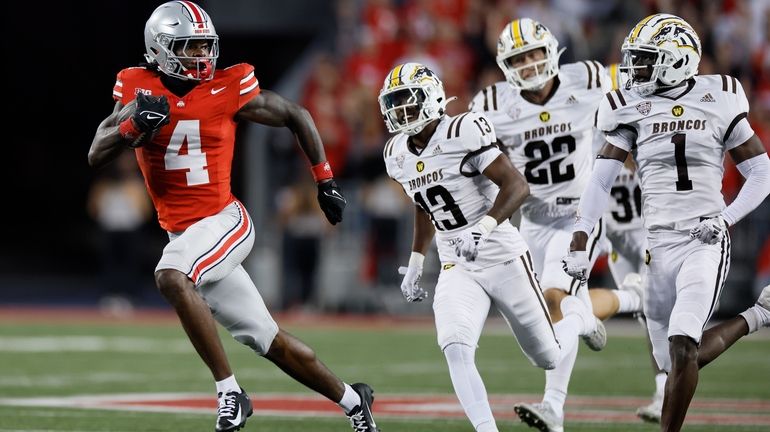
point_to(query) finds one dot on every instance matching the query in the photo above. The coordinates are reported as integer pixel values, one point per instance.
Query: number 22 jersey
(551, 144)
(679, 138)
(187, 165)
(444, 179)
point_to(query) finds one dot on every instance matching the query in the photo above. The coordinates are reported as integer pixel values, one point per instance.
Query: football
(127, 111)
(124, 114)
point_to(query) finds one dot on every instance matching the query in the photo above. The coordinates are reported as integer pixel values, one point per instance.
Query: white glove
(410, 285)
(709, 231)
(474, 238)
(575, 264)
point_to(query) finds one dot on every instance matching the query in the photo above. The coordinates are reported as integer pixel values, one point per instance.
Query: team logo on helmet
(411, 97)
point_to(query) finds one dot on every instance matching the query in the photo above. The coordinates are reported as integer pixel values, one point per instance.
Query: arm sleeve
(596, 195)
(757, 173)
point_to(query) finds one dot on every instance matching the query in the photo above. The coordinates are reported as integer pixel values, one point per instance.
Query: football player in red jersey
(182, 127)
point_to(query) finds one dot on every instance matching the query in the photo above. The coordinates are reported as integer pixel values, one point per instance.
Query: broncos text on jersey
(679, 138)
(551, 144)
(444, 179)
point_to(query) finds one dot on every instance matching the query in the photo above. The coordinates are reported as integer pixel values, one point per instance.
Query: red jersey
(187, 165)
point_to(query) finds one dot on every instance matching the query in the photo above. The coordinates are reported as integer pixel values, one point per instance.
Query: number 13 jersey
(679, 138)
(444, 179)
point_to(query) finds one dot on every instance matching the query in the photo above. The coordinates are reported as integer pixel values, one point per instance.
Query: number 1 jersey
(678, 138)
(187, 165)
(444, 179)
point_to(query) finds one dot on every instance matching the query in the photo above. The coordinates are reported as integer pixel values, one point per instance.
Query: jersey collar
(671, 92)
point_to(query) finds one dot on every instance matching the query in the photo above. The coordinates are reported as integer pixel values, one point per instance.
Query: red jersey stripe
(213, 258)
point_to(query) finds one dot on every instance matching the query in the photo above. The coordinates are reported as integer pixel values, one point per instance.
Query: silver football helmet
(181, 39)
(661, 51)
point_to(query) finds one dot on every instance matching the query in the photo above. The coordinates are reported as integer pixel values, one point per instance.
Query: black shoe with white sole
(361, 416)
(234, 409)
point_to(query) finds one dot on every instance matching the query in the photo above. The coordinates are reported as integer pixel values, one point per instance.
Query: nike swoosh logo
(237, 420)
(335, 194)
(215, 91)
(153, 116)
(366, 406)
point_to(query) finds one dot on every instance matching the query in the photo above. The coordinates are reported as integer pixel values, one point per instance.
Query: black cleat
(361, 416)
(234, 409)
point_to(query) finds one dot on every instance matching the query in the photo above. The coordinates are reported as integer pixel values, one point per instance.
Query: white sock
(227, 385)
(557, 379)
(350, 399)
(756, 317)
(469, 387)
(629, 301)
(660, 384)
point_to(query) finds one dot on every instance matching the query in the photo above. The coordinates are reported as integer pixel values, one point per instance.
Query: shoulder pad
(486, 99)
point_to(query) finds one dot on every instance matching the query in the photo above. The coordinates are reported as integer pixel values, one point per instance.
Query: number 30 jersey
(679, 138)
(551, 144)
(444, 179)
(187, 165)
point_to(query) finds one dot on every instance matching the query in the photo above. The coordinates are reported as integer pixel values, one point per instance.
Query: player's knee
(260, 337)
(285, 346)
(547, 359)
(171, 284)
(683, 350)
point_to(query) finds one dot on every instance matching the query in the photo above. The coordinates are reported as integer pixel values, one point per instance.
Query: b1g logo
(143, 91)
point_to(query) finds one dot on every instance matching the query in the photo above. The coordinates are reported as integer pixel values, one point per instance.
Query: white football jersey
(445, 180)
(551, 144)
(678, 139)
(625, 209)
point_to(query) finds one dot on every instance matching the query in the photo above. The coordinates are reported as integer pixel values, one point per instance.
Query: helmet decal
(661, 51)
(180, 37)
(521, 36)
(411, 97)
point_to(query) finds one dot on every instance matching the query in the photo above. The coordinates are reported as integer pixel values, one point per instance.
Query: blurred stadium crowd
(457, 39)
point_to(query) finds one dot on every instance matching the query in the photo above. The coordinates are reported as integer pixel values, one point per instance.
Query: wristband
(416, 259)
(487, 224)
(321, 171)
(128, 129)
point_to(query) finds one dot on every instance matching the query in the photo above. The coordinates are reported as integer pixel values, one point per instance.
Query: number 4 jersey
(679, 138)
(187, 165)
(551, 144)
(444, 179)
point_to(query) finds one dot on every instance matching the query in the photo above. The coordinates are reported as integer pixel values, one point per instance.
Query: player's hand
(470, 241)
(331, 200)
(709, 231)
(410, 285)
(575, 264)
(152, 113)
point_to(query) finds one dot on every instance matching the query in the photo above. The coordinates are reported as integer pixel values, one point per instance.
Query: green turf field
(54, 360)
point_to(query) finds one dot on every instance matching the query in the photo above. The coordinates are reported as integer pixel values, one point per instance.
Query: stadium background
(330, 56)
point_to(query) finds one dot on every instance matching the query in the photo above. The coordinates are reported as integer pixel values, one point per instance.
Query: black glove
(331, 200)
(151, 112)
